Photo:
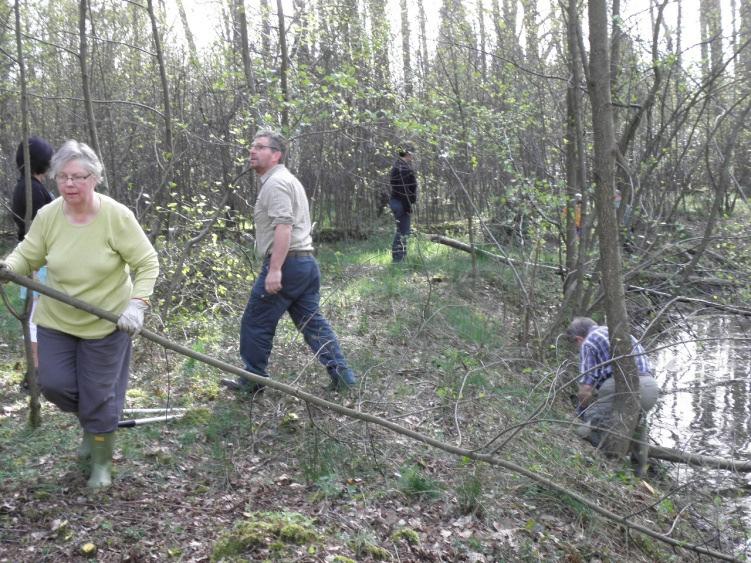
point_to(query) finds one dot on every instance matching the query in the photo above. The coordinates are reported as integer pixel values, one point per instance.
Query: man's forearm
(280, 246)
(584, 395)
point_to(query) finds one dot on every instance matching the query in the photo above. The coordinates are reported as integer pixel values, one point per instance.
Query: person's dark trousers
(88, 377)
(300, 296)
(403, 229)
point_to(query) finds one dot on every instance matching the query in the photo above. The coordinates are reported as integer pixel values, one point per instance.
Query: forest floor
(271, 478)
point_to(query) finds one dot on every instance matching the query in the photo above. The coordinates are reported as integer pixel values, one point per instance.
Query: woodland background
(498, 101)
(497, 106)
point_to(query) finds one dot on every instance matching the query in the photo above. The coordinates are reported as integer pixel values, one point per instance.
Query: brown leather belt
(296, 253)
(299, 253)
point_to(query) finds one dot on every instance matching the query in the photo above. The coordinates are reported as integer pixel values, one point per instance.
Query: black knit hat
(405, 148)
(40, 154)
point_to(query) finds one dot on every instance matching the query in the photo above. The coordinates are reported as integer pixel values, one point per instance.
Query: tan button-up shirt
(281, 201)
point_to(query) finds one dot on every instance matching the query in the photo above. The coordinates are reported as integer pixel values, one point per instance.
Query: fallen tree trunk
(370, 419)
(669, 454)
(744, 311)
(660, 276)
(463, 246)
(459, 245)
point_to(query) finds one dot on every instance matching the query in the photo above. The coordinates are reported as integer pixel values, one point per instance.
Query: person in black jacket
(403, 197)
(40, 155)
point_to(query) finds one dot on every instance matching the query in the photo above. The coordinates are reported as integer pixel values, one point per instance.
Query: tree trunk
(742, 165)
(35, 416)
(483, 41)
(167, 105)
(626, 408)
(574, 185)
(83, 50)
(406, 56)
(188, 33)
(712, 20)
(424, 66)
(265, 13)
(510, 41)
(531, 28)
(380, 41)
(698, 460)
(168, 152)
(244, 44)
(616, 41)
(283, 67)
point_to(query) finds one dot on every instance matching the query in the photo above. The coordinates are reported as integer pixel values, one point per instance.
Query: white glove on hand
(131, 321)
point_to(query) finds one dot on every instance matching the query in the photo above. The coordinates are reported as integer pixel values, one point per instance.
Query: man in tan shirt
(290, 279)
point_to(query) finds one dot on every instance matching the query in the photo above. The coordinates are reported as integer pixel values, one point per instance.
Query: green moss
(296, 533)
(375, 551)
(274, 530)
(342, 559)
(137, 394)
(196, 417)
(406, 534)
(289, 421)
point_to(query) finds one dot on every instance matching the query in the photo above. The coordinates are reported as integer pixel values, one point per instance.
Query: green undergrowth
(274, 478)
(11, 335)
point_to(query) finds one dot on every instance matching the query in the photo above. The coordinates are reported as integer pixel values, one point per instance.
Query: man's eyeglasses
(76, 178)
(260, 147)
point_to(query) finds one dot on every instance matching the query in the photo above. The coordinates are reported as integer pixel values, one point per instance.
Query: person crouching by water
(90, 243)
(596, 393)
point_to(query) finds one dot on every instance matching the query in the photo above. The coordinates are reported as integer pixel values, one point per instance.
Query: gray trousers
(88, 377)
(598, 413)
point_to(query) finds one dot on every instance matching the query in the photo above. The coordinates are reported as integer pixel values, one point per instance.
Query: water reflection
(705, 376)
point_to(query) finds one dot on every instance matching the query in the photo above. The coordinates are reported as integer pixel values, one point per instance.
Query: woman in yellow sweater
(91, 245)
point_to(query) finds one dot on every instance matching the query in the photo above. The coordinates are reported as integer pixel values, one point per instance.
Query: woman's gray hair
(75, 150)
(276, 140)
(580, 326)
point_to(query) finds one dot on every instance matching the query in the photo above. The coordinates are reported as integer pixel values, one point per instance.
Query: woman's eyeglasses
(76, 178)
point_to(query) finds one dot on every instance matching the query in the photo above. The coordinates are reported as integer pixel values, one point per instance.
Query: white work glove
(131, 321)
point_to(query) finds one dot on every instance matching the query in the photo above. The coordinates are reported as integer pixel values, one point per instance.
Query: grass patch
(471, 325)
(393, 284)
(322, 460)
(32, 448)
(559, 502)
(415, 484)
(469, 490)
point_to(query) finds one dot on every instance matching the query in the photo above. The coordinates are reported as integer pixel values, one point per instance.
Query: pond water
(705, 375)
(704, 370)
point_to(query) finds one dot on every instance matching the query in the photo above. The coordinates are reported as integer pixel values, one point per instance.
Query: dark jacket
(404, 184)
(40, 196)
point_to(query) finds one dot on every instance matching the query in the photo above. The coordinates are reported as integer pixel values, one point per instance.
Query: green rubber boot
(101, 460)
(84, 450)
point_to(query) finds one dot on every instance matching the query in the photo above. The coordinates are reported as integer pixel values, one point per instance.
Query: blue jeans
(300, 296)
(403, 229)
